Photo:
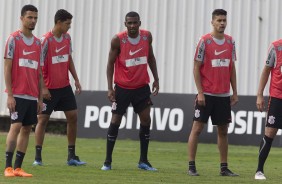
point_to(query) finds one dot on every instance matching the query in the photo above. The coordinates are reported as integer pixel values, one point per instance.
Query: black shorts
(274, 113)
(139, 98)
(62, 99)
(218, 108)
(25, 112)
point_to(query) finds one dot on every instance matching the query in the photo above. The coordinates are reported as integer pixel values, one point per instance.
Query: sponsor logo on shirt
(27, 53)
(134, 52)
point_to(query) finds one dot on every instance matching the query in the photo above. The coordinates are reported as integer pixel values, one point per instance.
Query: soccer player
(23, 78)
(57, 92)
(130, 53)
(274, 119)
(214, 71)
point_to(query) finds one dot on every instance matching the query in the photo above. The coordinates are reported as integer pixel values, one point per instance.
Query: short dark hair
(132, 14)
(217, 12)
(62, 15)
(28, 7)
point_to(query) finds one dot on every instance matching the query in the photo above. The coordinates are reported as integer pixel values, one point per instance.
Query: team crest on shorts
(271, 120)
(114, 106)
(197, 113)
(14, 115)
(44, 107)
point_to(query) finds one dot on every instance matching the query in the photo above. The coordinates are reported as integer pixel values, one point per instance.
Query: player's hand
(111, 95)
(39, 106)
(260, 103)
(11, 103)
(77, 87)
(46, 93)
(234, 99)
(201, 99)
(155, 88)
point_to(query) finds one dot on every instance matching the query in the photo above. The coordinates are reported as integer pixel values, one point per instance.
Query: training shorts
(139, 98)
(274, 113)
(218, 108)
(25, 112)
(62, 99)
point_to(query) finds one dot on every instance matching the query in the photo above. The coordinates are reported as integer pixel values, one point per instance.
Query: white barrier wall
(176, 26)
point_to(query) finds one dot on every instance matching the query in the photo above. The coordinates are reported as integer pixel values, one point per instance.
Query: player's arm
(74, 75)
(8, 64)
(197, 78)
(263, 80)
(153, 66)
(11, 103)
(233, 82)
(40, 96)
(269, 64)
(198, 61)
(113, 54)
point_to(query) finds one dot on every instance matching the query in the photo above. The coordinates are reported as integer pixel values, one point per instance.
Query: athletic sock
(264, 150)
(223, 167)
(19, 159)
(9, 157)
(192, 165)
(111, 140)
(144, 136)
(38, 150)
(71, 152)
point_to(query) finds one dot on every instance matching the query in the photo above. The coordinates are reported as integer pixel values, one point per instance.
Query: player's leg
(201, 116)
(221, 116)
(39, 137)
(196, 130)
(111, 140)
(144, 136)
(11, 143)
(30, 118)
(123, 98)
(264, 150)
(273, 123)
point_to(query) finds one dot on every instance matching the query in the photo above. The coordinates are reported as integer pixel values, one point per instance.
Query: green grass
(169, 158)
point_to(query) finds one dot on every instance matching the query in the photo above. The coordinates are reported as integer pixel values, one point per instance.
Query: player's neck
(26, 32)
(56, 32)
(217, 35)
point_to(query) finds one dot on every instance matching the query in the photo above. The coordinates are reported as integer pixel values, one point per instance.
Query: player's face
(65, 26)
(219, 23)
(29, 20)
(132, 24)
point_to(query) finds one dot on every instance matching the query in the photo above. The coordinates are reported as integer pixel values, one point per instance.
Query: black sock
(223, 166)
(19, 159)
(38, 150)
(111, 140)
(9, 158)
(192, 165)
(144, 136)
(71, 152)
(264, 149)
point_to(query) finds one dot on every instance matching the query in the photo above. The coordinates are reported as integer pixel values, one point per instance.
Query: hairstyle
(217, 12)
(62, 15)
(132, 14)
(28, 7)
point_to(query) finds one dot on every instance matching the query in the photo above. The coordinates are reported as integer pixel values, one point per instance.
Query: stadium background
(175, 25)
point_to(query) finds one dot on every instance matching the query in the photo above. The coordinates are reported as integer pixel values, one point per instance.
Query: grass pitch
(169, 158)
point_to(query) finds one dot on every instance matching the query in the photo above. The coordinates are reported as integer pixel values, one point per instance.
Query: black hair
(28, 7)
(217, 12)
(132, 14)
(62, 15)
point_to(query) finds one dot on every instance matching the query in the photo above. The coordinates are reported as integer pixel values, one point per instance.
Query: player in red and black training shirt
(130, 54)
(23, 78)
(57, 91)
(214, 71)
(273, 67)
